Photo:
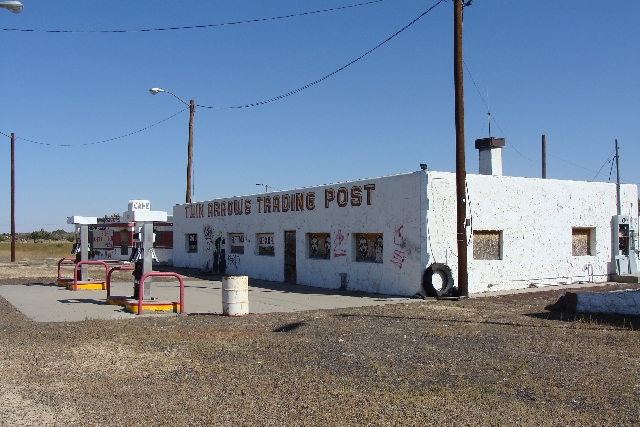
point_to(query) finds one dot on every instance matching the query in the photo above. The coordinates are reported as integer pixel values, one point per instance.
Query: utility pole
(544, 156)
(461, 174)
(617, 179)
(13, 199)
(192, 109)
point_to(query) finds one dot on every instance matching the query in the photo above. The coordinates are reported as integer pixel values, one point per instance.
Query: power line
(605, 162)
(300, 89)
(511, 145)
(257, 103)
(100, 142)
(192, 27)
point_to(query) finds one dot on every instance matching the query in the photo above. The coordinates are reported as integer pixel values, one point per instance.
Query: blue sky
(565, 69)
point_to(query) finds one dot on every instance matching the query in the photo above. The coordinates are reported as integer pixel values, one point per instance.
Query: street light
(11, 6)
(266, 187)
(192, 109)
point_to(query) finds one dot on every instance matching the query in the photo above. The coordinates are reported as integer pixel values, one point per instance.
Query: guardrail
(78, 264)
(160, 274)
(60, 265)
(116, 268)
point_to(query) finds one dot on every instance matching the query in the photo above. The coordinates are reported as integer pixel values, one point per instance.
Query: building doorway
(290, 257)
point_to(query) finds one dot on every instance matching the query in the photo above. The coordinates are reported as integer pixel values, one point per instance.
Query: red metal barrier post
(60, 265)
(160, 274)
(75, 270)
(117, 268)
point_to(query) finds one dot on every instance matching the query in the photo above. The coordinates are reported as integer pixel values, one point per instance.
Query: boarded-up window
(581, 241)
(486, 244)
(192, 243)
(369, 247)
(319, 245)
(265, 244)
(237, 243)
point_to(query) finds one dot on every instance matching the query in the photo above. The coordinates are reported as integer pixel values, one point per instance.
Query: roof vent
(490, 155)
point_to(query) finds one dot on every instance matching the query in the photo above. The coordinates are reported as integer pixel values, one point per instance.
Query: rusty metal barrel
(235, 295)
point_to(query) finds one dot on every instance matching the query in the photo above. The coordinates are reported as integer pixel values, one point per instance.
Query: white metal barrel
(235, 295)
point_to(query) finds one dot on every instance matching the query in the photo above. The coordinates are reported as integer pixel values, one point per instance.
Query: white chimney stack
(490, 155)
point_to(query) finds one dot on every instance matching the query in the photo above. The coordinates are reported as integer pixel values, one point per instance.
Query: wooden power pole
(192, 109)
(461, 174)
(544, 156)
(13, 199)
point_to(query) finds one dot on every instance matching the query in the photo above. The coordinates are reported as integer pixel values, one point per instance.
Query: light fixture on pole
(11, 6)
(266, 187)
(192, 109)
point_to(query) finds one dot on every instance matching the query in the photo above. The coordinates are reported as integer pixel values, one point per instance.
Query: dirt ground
(476, 362)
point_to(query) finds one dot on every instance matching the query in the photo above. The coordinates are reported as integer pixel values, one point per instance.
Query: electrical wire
(103, 141)
(605, 162)
(192, 27)
(511, 145)
(257, 103)
(493, 118)
(300, 89)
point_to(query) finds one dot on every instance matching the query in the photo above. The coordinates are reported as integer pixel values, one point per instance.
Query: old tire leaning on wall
(443, 271)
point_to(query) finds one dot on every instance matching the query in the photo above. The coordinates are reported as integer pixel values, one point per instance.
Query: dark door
(290, 257)
(124, 242)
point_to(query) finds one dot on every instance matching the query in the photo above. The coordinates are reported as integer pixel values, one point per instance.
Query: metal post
(544, 156)
(463, 285)
(84, 251)
(192, 109)
(147, 263)
(618, 179)
(13, 200)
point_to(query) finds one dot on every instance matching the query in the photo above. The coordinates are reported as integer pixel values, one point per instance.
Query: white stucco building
(378, 235)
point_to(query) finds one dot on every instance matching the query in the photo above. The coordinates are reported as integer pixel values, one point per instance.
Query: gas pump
(624, 245)
(81, 247)
(143, 254)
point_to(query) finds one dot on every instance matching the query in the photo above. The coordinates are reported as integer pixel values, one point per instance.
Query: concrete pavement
(51, 303)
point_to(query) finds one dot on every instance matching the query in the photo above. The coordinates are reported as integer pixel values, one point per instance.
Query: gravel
(488, 361)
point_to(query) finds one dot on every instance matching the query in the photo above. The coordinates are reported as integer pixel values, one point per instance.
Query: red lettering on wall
(369, 188)
(356, 195)
(247, 207)
(267, 204)
(216, 208)
(223, 209)
(329, 196)
(311, 201)
(285, 203)
(299, 201)
(186, 211)
(338, 251)
(210, 210)
(237, 207)
(276, 203)
(398, 258)
(201, 210)
(343, 196)
(259, 199)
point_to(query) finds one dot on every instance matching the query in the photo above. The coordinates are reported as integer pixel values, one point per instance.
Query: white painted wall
(416, 215)
(394, 211)
(536, 217)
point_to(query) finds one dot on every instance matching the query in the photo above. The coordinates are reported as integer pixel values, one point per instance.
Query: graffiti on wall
(219, 255)
(400, 241)
(208, 237)
(338, 250)
(233, 260)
